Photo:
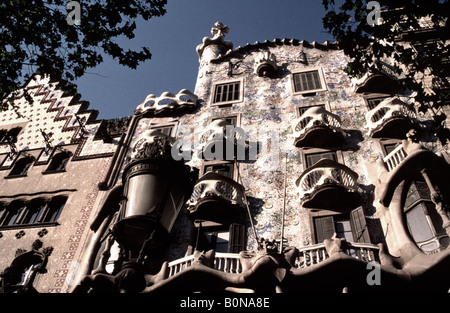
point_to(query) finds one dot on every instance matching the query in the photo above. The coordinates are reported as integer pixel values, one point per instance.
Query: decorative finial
(212, 48)
(219, 30)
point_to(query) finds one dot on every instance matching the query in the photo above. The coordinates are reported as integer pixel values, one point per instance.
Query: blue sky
(116, 91)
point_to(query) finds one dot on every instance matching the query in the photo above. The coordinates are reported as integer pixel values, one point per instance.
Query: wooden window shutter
(359, 226)
(324, 228)
(237, 238)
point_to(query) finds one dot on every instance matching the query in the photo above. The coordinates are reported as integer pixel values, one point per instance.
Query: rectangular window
(166, 130)
(225, 169)
(352, 227)
(231, 240)
(373, 102)
(308, 82)
(227, 93)
(230, 120)
(301, 110)
(313, 158)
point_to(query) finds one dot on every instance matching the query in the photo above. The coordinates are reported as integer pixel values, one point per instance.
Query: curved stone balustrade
(317, 128)
(390, 118)
(321, 186)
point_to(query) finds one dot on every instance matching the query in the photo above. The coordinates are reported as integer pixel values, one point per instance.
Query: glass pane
(312, 159)
(411, 196)
(418, 224)
(344, 230)
(222, 242)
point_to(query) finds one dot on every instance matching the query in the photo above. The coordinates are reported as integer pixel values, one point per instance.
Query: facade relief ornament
(152, 145)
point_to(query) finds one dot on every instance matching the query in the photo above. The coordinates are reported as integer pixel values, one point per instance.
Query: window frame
(63, 155)
(356, 219)
(308, 92)
(304, 108)
(372, 96)
(17, 212)
(309, 151)
(219, 162)
(25, 162)
(388, 142)
(172, 125)
(227, 82)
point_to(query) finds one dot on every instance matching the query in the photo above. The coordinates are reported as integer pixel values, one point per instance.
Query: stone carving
(212, 48)
(266, 64)
(152, 145)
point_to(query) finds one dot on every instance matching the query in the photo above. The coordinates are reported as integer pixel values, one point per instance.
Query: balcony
(393, 159)
(391, 118)
(304, 257)
(328, 185)
(317, 128)
(222, 141)
(216, 198)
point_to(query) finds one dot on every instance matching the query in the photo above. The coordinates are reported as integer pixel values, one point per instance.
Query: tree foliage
(36, 38)
(412, 35)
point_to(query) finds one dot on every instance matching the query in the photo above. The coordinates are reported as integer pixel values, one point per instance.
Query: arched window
(54, 209)
(14, 213)
(59, 162)
(422, 218)
(22, 166)
(34, 211)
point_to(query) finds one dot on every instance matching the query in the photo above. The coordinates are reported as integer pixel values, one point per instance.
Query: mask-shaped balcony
(328, 185)
(391, 118)
(216, 198)
(317, 128)
(222, 141)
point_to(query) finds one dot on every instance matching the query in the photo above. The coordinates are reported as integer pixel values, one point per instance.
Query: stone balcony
(216, 198)
(328, 185)
(222, 141)
(317, 128)
(391, 118)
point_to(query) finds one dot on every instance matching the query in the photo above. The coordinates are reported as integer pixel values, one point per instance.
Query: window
(351, 227)
(59, 162)
(308, 82)
(32, 212)
(166, 130)
(313, 158)
(301, 110)
(21, 167)
(230, 120)
(389, 145)
(54, 209)
(373, 102)
(221, 239)
(423, 221)
(225, 169)
(13, 214)
(228, 92)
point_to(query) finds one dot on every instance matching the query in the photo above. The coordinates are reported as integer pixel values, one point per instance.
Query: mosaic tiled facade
(278, 173)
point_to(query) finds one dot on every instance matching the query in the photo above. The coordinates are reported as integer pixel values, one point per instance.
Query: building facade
(276, 174)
